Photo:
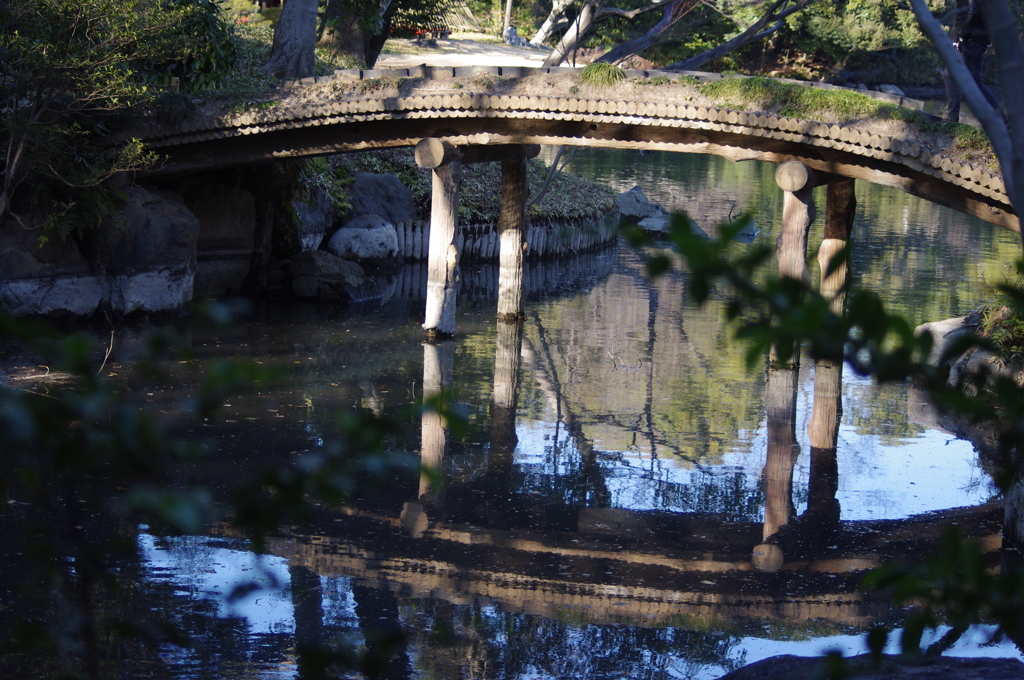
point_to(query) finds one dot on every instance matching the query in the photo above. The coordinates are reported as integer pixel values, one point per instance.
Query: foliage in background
(869, 41)
(333, 179)
(74, 71)
(874, 41)
(1001, 326)
(202, 50)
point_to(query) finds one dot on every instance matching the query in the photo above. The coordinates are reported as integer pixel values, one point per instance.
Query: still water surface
(603, 524)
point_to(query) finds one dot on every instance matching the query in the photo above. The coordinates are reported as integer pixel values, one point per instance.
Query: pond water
(601, 521)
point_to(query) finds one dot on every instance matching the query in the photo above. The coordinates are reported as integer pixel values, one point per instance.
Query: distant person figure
(970, 37)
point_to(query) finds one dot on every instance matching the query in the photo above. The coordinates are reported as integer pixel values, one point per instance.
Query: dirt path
(457, 52)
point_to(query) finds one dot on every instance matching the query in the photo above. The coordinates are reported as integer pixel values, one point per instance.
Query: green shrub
(272, 14)
(601, 74)
(203, 50)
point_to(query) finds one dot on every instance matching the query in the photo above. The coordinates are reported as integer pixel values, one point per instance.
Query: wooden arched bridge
(347, 112)
(474, 114)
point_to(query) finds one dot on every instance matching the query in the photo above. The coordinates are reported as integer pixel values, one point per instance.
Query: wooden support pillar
(445, 161)
(512, 234)
(797, 181)
(840, 207)
(442, 251)
(438, 365)
(777, 476)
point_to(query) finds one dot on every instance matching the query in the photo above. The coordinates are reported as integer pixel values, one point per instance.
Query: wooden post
(840, 207)
(783, 449)
(507, 362)
(445, 160)
(438, 364)
(797, 181)
(443, 253)
(511, 230)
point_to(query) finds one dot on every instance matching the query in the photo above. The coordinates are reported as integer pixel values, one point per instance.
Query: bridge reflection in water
(595, 519)
(483, 541)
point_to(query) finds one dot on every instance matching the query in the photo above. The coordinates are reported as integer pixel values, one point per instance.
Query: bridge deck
(358, 110)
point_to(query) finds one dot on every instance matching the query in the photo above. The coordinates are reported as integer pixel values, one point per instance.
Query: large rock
(659, 224)
(635, 206)
(944, 333)
(227, 224)
(369, 237)
(383, 195)
(151, 253)
(142, 260)
(319, 275)
(316, 219)
(981, 362)
(49, 279)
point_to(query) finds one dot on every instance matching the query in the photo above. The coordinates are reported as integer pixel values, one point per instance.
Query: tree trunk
(554, 18)
(508, 17)
(293, 55)
(374, 43)
(575, 33)
(1005, 133)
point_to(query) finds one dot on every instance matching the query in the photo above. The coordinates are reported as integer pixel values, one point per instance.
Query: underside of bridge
(353, 122)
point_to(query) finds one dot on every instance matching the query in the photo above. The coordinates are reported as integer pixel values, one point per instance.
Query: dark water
(603, 523)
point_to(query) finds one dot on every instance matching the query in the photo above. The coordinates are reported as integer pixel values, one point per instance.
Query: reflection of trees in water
(922, 258)
(726, 492)
(480, 640)
(879, 411)
(642, 372)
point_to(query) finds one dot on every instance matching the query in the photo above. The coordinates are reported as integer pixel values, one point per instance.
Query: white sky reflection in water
(213, 573)
(878, 479)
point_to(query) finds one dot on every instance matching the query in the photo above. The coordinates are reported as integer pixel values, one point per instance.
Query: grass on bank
(797, 101)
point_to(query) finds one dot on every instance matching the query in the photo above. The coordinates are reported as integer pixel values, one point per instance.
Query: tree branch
(752, 33)
(672, 13)
(629, 14)
(1008, 49)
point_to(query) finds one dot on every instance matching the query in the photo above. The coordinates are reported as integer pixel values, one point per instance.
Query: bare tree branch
(591, 12)
(756, 31)
(671, 15)
(1006, 136)
(555, 19)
